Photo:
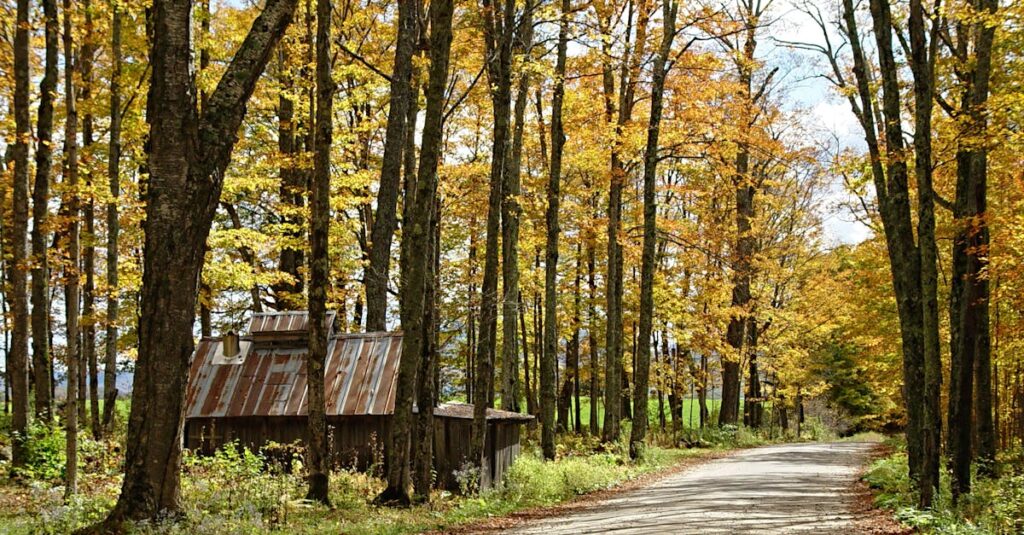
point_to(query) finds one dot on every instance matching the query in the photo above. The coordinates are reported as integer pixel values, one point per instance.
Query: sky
(830, 114)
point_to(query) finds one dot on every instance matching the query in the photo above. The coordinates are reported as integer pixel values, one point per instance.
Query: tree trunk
(40, 212)
(418, 269)
(891, 187)
(499, 26)
(575, 354)
(549, 362)
(753, 404)
(426, 394)
(745, 244)
(89, 261)
(386, 218)
(188, 154)
(17, 359)
(629, 73)
(642, 351)
(113, 225)
(613, 323)
(71, 275)
(319, 261)
(969, 292)
(510, 214)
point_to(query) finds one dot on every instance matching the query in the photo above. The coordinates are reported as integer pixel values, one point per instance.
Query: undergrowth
(995, 505)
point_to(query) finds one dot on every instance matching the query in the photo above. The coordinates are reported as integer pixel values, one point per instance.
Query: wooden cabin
(252, 389)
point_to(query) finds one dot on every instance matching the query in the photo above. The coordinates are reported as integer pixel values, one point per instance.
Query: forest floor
(810, 487)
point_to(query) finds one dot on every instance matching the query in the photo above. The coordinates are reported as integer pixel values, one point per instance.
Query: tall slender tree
(416, 265)
(41, 364)
(113, 223)
(511, 211)
(641, 368)
(17, 359)
(970, 363)
(386, 219)
(89, 357)
(73, 356)
(499, 21)
(549, 362)
(616, 398)
(319, 261)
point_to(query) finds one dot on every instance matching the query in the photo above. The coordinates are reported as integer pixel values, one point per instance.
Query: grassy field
(691, 412)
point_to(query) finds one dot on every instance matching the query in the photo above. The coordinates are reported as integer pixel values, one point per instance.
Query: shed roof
(464, 411)
(360, 378)
(269, 379)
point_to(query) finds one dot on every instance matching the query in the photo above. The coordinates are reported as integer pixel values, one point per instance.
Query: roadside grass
(237, 491)
(995, 505)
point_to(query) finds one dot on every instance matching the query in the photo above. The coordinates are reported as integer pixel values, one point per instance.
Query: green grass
(995, 505)
(233, 492)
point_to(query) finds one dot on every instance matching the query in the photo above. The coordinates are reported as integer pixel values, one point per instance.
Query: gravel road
(792, 488)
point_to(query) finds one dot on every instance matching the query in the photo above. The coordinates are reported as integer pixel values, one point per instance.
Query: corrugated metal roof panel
(360, 377)
(264, 324)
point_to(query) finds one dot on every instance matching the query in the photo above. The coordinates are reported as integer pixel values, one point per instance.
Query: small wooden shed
(259, 395)
(452, 427)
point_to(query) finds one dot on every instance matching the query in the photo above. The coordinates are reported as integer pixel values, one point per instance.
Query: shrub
(45, 453)
(995, 506)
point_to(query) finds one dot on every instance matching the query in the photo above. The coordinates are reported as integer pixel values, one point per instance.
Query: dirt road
(792, 488)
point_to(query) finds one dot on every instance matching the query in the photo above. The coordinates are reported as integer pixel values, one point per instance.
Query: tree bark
(510, 214)
(89, 356)
(891, 187)
(417, 263)
(188, 154)
(113, 225)
(549, 361)
(17, 360)
(386, 219)
(71, 274)
(319, 262)
(426, 394)
(642, 363)
(499, 28)
(40, 228)
(970, 362)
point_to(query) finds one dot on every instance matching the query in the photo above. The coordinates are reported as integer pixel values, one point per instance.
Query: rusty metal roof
(266, 324)
(266, 380)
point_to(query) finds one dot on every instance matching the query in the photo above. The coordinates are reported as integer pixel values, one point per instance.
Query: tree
(41, 364)
(416, 266)
(385, 220)
(743, 47)
(970, 363)
(616, 399)
(319, 262)
(549, 360)
(113, 223)
(71, 285)
(643, 351)
(185, 179)
(89, 358)
(499, 21)
(511, 212)
(912, 265)
(17, 359)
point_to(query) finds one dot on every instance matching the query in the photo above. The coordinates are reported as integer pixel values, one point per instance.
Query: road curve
(791, 488)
